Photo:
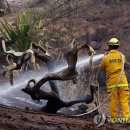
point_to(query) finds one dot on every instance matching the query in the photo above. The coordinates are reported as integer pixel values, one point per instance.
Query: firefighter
(112, 65)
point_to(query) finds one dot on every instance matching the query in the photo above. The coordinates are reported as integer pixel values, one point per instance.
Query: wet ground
(19, 111)
(16, 119)
(13, 119)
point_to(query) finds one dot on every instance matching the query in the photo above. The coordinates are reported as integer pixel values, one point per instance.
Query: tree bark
(54, 102)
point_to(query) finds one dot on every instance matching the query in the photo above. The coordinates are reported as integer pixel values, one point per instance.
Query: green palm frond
(25, 23)
(7, 31)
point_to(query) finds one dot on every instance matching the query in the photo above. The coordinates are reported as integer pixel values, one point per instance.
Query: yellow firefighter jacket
(112, 64)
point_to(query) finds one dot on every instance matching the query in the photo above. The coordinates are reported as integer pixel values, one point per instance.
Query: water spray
(20, 83)
(82, 61)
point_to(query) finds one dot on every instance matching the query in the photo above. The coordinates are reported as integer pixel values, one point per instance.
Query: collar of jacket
(113, 51)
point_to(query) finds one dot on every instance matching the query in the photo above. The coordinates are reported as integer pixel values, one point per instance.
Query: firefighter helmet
(113, 41)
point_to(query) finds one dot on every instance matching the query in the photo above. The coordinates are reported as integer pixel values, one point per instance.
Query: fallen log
(54, 102)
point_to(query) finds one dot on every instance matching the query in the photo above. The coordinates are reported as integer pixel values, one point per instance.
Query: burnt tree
(54, 102)
(69, 73)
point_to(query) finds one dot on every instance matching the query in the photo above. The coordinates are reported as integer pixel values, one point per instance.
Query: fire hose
(100, 105)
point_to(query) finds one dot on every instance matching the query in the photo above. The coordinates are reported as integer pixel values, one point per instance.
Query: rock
(42, 1)
(127, 66)
(95, 45)
(56, 43)
(127, 24)
(96, 34)
(101, 32)
(90, 34)
(101, 79)
(92, 18)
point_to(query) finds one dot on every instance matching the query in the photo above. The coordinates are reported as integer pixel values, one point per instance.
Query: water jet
(12, 96)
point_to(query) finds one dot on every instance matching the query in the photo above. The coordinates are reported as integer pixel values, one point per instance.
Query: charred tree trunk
(54, 102)
(69, 73)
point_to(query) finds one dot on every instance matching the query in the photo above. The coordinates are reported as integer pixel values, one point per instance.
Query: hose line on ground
(122, 70)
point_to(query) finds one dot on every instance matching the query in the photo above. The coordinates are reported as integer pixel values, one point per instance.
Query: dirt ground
(17, 119)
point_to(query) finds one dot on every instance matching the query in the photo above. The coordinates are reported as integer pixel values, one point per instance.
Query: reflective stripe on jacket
(119, 85)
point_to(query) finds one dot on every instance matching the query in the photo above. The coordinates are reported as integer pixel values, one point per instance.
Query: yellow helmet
(113, 41)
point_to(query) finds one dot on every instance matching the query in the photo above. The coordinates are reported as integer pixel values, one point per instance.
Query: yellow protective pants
(121, 96)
